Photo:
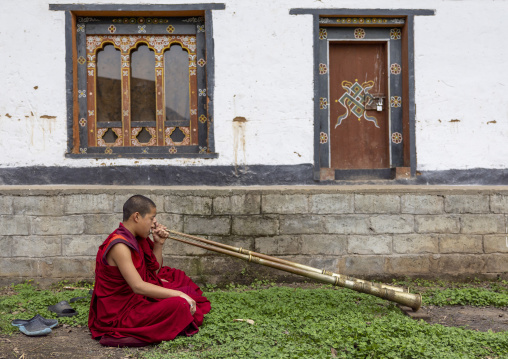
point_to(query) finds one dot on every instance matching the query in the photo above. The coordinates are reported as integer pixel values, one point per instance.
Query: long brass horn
(391, 293)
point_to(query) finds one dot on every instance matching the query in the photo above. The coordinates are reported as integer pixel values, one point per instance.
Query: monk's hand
(192, 303)
(159, 233)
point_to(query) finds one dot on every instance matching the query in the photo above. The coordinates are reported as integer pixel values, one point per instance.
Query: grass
(322, 322)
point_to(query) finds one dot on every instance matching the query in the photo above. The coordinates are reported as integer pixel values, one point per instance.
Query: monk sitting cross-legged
(136, 301)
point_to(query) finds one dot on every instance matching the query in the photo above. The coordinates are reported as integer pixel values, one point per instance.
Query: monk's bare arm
(120, 256)
(157, 251)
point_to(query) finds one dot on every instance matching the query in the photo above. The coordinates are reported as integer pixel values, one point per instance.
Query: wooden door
(359, 137)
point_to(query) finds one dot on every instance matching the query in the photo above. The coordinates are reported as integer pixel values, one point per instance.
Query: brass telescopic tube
(411, 300)
(284, 261)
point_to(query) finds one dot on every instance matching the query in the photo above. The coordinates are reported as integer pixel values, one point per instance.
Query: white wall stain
(239, 140)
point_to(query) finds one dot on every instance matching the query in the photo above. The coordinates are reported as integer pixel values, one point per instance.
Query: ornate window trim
(82, 129)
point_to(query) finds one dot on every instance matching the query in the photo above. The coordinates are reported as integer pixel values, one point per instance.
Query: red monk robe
(116, 311)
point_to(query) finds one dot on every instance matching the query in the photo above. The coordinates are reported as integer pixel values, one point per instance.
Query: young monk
(136, 301)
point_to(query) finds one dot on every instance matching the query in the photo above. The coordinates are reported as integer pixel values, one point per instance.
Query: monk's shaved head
(137, 203)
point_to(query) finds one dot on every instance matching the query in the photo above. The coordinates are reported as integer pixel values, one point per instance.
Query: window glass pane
(176, 75)
(143, 84)
(109, 86)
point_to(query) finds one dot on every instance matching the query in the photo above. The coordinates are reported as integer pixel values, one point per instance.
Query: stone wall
(52, 233)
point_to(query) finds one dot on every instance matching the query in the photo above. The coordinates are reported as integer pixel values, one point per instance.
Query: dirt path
(63, 342)
(73, 343)
(474, 318)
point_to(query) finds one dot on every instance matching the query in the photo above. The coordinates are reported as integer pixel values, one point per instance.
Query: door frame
(322, 173)
(350, 25)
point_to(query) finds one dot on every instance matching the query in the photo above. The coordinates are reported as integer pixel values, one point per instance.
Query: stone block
(496, 263)
(88, 203)
(190, 265)
(237, 204)
(496, 243)
(39, 205)
(278, 245)
(459, 243)
(234, 241)
(101, 223)
(329, 263)
(6, 205)
(266, 245)
(437, 224)
(320, 262)
(174, 222)
(289, 245)
(50, 226)
(415, 243)
(285, 203)
(482, 224)
(347, 224)
(67, 267)
(460, 264)
(207, 225)
(120, 199)
(19, 267)
(467, 203)
(422, 204)
(14, 225)
(392, 224)
(408, 265)
(188, 205)
(82, 245)
(6, 246)
(498, 203)
(175, 248)
(229, 266)
(377, 203)
(36, 246)
(255, 225)
(370, 244)
(329, 244)
(299, 224)
(362, 265)
(331, 203)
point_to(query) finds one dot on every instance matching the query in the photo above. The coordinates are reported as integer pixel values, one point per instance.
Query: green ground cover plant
(291, 322)
(475, 292)
(322, 323)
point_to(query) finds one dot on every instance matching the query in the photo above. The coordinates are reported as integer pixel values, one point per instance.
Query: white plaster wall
(263, 72)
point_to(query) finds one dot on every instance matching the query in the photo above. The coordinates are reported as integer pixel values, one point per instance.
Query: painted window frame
(321, 170)
(75, 149)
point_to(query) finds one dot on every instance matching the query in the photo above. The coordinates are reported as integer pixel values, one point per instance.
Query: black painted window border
(72, 11)
(409, 15)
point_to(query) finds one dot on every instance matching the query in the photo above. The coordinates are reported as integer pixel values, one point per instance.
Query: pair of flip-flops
(35, 326)
(63, 309)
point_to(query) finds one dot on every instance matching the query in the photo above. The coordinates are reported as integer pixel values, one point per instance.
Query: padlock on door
(374, 102)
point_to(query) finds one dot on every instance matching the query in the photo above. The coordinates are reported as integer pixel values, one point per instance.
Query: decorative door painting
(360, 89)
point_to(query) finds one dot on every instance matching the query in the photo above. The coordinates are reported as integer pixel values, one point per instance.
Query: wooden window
(141, 87)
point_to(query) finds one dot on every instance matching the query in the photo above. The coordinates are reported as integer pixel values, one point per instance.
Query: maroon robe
(116, 311)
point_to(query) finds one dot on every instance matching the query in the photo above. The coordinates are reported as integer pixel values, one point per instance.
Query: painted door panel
(355, 66)
(358, 137)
